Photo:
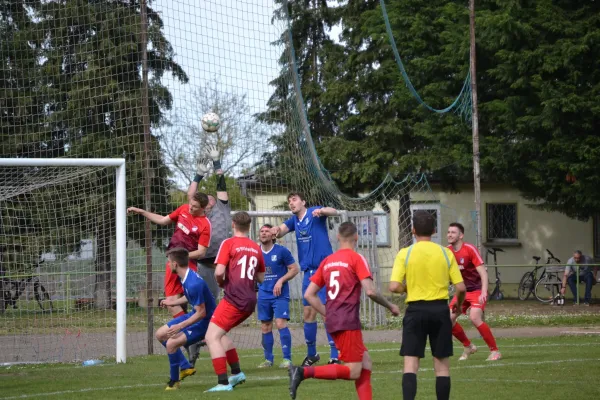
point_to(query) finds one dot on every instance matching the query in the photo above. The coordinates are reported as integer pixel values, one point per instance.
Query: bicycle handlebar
(551, 257)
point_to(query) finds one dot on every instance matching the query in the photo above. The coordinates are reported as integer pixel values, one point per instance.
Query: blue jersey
(312, 239)
(277, 261)
(197, 293)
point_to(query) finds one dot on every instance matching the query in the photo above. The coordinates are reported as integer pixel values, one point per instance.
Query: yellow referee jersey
(428, 269)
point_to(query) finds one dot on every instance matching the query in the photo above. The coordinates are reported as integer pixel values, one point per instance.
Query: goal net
(132, 79)
(62, 254)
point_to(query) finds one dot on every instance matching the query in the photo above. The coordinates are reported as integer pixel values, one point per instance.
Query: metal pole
(121, 217)
(147, 176)
(476, 170)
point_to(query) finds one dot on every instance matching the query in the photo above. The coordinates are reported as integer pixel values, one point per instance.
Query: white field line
(204, 380)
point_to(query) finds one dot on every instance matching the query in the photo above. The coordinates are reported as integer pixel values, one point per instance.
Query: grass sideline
(532, 368)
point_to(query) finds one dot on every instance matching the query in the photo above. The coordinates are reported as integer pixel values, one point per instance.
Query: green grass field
(532, 368)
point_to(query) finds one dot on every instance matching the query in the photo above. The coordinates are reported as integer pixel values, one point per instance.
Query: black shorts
(427, 319)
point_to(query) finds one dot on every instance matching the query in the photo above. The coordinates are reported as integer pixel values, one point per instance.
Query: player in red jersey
(343, 274)
(475, 277)
(239, 263)
(192, 232)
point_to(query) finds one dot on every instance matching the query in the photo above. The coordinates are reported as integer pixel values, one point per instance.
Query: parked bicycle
(497, 293)
(546, 287)
(12, 289)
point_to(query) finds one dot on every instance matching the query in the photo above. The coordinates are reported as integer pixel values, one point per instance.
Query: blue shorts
(278, 307)
(194, 332)
(306, 281)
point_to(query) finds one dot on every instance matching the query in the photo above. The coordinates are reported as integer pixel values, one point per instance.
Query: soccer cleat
(334, 361)
(237, 379)
(296, 378)
(172, 385)
(472, 349)
(184, 373)
(265, 364)
(286, 363)
(220, 388)
(494, 356)
(309, 361)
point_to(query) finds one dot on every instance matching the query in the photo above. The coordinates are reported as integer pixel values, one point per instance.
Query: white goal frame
(120, 223)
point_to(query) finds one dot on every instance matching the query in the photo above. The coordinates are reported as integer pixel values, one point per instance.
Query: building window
(597, 236)
(501, 222)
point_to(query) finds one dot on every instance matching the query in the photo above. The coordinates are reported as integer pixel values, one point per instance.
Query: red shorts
(227, 316)
(471, 301)
(172, 282)
(350, 345)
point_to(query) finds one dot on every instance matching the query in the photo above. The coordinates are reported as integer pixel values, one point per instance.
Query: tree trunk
(102, 288)
(404, 219)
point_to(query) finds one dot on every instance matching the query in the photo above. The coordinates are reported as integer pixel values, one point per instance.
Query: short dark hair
(458, 225)
(347, 230)
(300, 195)
(578, 252)
(424, 223)
(201, 198)
(180, 255)
(269, 226)
(242, 221)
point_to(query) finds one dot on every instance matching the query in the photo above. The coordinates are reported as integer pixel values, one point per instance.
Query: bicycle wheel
(547, 288)
(525, 286)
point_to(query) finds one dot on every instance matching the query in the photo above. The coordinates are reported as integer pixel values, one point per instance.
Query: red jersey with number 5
(468, 259)
(341, 274)
(242, 259)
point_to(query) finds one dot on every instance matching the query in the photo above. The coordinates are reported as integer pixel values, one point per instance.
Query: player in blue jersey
(274, 296)
(189, 328)
(310, 225)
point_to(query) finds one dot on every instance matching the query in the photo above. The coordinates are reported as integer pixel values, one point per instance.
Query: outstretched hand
(202, 166)
(134, 210)
(212, 152)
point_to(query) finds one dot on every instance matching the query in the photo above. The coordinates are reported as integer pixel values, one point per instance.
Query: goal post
(120, 227)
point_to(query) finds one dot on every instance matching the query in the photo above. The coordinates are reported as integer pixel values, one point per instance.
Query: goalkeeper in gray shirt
(218, 212)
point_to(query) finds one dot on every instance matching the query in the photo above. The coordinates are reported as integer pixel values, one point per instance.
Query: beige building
(508, 220)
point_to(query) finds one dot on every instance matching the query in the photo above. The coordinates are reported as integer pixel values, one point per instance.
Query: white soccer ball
(211, 122)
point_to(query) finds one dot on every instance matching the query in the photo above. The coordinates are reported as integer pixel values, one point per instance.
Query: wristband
(217, 164)
(221, 185)
(198, 178)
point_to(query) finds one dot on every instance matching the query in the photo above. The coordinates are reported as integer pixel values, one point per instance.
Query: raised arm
(280, 231)
(325, 212)
(155, 218)
(201, 171)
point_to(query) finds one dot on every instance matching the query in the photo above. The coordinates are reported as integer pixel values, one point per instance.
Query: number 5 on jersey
(334, 285)
(248, 267)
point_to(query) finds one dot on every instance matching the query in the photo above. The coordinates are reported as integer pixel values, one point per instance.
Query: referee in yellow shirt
(428, 269)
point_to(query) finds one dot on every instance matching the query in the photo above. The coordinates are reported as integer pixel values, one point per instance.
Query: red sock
(363, 385)
(220, 365)
(179, 314)
(488, 337)
(459, 333)
(329, 372)
(232, 356)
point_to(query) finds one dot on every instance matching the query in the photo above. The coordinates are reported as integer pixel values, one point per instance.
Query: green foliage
(82, 96)
(538, 86)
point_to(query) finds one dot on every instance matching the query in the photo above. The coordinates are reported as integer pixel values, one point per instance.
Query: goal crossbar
(120, 223)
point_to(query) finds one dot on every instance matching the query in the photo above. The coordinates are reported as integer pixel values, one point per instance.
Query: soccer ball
(211, 122)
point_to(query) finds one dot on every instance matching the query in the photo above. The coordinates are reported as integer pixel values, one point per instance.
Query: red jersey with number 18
(341, 273)
(243, 259)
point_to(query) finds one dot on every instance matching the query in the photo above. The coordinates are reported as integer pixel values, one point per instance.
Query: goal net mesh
(73, 84)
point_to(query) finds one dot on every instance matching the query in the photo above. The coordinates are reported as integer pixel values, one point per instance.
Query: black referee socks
(442, 387)
(409, 386)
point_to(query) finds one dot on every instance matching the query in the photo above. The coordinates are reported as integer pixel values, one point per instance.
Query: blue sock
(183, 362)
(286, 343)
(267, 343)
(174, 361)
(333, 350)
(310, 335)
